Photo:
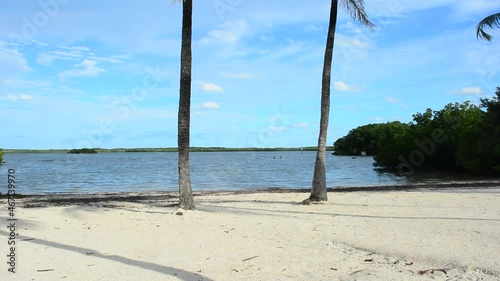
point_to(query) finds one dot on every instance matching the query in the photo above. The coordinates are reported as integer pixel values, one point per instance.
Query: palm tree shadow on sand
(167, 270)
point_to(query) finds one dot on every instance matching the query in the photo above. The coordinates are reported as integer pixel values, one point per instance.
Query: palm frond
(356, 9)
(488, 22)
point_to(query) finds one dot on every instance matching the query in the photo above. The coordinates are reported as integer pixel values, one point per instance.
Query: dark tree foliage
(489, 147)
(368, 138)
(461, 136)
(1, 156)
(83, 151)
(445, 139)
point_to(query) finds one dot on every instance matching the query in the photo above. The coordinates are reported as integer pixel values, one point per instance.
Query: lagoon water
(38, 173)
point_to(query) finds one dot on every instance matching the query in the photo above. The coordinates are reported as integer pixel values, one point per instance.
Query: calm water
(124, 172)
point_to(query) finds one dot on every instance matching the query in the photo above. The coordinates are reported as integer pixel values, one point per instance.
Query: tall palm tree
(490, 22)
(185, 192)
(356, 9)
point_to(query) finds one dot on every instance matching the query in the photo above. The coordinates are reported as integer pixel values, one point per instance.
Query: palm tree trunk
(185, 191)
(318, 190)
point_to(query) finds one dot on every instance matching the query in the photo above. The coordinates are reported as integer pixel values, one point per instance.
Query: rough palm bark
(355, 8)
(488, 22)
(318, 190)
(185, 191)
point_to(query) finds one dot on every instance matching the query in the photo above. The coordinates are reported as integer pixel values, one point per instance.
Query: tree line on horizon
(164, 149)
(461, 136)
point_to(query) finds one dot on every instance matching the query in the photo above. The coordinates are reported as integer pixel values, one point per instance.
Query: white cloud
(209, 105)
(468, 91)
(241, 75)
(392, 100)
(19, 83)
(12, 97)
(64, 53)
(460, 10)
(9, 97)
(140, 114)
(109, 59)
(76, 48)
(277, 129)
(229, 32)
(301, 125)
(377, 119)
(121, 57)
(341, 86)
(356, 42)
(350, 27)
(12, 61)
(312, 27)
(76, 53)
(398, 118)
(290, 50)
(25, 97)
(87, 68)
(210, 87)
(478, 7)
(266, 38)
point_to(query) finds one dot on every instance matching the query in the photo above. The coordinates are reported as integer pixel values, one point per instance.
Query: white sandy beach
(424, 235)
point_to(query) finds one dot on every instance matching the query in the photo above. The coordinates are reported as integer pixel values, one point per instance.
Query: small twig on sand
(250, 258)
(431, 271)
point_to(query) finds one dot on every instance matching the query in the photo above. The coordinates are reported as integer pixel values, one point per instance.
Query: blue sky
(106, 73)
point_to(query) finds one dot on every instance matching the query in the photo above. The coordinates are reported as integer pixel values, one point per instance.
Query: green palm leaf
(488, 22)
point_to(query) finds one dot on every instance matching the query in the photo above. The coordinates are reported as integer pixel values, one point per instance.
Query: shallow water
(157, 171)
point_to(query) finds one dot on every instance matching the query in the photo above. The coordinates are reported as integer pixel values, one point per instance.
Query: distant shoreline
(172, 149)
(170, 197)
